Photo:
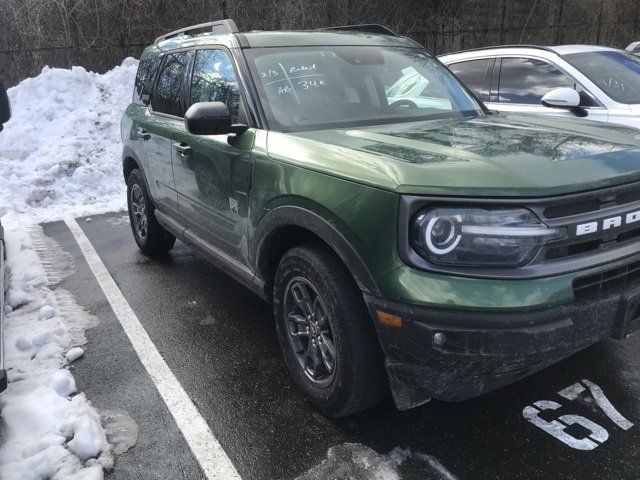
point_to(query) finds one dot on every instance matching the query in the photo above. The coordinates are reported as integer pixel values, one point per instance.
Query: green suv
(407, 237)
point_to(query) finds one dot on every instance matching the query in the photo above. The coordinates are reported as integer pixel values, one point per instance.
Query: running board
(215, 255)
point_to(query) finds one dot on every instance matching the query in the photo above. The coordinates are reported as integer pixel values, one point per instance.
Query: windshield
(306, 88)
(616, 73)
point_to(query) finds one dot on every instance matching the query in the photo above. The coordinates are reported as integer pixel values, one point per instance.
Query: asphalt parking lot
(582, 415)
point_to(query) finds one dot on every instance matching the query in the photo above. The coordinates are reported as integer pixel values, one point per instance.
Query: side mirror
(211, 118)
(564, 98)
(561, 98)
(5, 110)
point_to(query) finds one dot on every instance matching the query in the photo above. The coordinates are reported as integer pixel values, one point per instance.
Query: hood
(492, 155)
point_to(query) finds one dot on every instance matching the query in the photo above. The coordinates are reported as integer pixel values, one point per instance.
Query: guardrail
(3, 373)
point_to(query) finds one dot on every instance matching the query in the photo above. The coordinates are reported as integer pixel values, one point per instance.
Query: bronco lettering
(608, 223)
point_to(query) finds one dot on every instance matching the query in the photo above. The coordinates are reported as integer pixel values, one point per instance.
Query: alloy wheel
(309, 331)
(139, 211)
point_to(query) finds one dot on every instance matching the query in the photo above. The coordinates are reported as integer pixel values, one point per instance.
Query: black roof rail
(367, 28)
(492, 47)
(218, 27)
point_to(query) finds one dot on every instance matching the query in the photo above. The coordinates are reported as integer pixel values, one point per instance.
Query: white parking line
(201, 440)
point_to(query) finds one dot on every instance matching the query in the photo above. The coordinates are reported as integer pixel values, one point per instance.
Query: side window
(526, 80)
(214, 80)
(474, 74)
(167, 97)
(147, 70)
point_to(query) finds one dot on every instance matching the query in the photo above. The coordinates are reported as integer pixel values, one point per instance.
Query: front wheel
(327, 338)
(151, 238)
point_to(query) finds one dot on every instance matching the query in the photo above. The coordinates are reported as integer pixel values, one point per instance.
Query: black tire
(151, 238)
(356, 379)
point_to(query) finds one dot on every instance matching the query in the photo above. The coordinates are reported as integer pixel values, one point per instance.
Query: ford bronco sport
(406, 238)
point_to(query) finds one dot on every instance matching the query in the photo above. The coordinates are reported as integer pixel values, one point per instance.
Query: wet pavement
(220, 342)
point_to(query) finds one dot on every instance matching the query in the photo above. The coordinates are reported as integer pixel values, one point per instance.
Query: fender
(128, 152)
(287, 216)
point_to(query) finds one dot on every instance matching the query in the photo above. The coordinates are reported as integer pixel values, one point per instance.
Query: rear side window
(214, 80)
(527, 80)
(475, 75)
(144, 80)
(167, 97)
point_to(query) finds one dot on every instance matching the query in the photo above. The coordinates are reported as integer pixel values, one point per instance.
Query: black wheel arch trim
(294, 216)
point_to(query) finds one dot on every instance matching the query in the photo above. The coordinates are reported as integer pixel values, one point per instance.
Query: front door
(520, 83)
(213, 172)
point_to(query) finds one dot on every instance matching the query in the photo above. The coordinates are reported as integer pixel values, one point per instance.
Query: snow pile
(61, 151)
(59, 155)
(49, 431)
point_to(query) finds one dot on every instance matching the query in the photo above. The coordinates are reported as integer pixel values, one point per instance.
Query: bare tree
(98, 34)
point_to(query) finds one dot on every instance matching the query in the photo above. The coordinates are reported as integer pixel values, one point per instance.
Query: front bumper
(481, 351)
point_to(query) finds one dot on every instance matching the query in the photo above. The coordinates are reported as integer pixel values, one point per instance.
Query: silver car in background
(592, 82)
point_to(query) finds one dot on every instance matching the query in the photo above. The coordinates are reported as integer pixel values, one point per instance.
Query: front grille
(604, 282)
(628, 197)
(569, 211)
(623, 237)
(573, 249)
(592, 202)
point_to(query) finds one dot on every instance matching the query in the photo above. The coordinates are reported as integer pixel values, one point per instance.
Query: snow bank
(59, 156)
(49, 431)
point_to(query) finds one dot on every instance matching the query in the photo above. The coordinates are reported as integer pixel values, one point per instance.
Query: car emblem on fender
(233, 206)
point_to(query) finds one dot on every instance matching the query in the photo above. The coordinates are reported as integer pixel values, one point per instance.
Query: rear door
(213, 172)
(161, 126)
(136, 119)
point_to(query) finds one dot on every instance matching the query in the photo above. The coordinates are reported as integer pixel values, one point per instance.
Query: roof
(567, 49)
(225, 32)
(324, 38)
(557, 49)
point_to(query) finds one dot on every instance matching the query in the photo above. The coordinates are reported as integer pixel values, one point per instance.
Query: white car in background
(597, 83)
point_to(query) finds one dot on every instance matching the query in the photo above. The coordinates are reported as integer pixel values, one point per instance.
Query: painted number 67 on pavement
(558, 428)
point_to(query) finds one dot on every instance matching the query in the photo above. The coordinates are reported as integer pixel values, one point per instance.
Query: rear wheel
(151, 238)
(327, 338)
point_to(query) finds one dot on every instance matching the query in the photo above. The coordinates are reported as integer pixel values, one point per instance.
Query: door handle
(143, 134)
(183, 149)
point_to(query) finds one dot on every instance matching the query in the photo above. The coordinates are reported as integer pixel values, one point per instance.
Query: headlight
(501, 237)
